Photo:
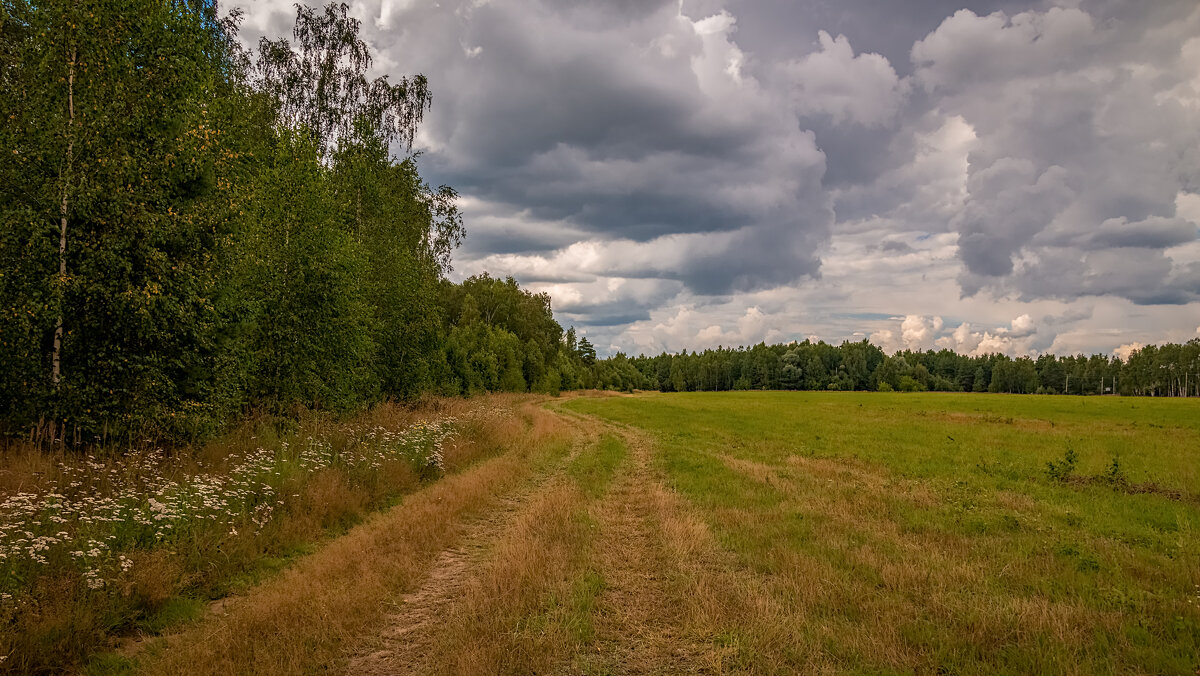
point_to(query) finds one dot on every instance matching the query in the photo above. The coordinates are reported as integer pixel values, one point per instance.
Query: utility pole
(1067, 385)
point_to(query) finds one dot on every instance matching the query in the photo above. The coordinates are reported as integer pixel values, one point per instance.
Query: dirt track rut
(633, 620)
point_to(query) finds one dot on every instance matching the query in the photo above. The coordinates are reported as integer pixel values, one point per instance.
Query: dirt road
(572, 575)
(574, 558)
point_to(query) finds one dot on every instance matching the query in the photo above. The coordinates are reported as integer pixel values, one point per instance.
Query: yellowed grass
(641, 623)
(304, 617)
(510, 598)
(504, 620)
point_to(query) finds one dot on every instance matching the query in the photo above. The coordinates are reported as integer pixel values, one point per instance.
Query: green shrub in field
(1115, 474)
(1061, 470)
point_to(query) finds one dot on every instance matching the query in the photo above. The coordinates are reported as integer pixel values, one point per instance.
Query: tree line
(1164, 370)
(190, 230)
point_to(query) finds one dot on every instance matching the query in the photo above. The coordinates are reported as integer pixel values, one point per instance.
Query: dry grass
(306, 616)
(505, 618)
(53, 620)
(515, 595)
(641, 623)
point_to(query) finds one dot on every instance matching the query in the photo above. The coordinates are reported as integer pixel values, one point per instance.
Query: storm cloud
(933, 173)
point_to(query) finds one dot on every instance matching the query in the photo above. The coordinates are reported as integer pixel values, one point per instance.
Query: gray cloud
(895, 246)
(1152, 233)
(628, 126)
(1085, 129)
(713, 169)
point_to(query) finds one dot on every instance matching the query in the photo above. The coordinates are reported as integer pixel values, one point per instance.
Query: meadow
(749, 532)
(938, 533)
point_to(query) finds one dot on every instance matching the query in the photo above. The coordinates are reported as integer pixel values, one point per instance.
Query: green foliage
(861, 366)
(111, 144)
(1115, 474)
(586, 353)
(1061, 470)
(236, 236)
(502, 337)
(320, 84)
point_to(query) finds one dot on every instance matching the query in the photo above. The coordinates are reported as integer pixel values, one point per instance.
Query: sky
(987, 176)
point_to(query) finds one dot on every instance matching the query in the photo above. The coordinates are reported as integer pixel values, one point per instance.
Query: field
(757, 532)
(892, 533)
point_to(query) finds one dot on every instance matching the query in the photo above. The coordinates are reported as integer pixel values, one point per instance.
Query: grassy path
(308, 617)
(566, 556)
(576, 575)
(637, 612)
(500, 562)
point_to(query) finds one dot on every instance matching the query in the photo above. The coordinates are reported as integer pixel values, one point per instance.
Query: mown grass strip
(593, 470)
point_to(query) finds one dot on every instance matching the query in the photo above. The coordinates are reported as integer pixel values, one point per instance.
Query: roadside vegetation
(334, 604)
(95, 547)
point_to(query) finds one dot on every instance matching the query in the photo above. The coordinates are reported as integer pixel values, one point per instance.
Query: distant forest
(1166, 370)
(190, 231)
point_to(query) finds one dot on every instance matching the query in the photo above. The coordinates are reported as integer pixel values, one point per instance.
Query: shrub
(1061, 470)
(1115, 474)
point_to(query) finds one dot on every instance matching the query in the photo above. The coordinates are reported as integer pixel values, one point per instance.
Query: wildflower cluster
(421, 444)
(92, 511)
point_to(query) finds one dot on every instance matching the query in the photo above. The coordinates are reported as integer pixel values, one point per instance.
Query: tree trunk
(56, 357)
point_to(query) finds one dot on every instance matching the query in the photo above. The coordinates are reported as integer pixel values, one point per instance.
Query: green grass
(593, 469)
(175, 611)
(925, 532)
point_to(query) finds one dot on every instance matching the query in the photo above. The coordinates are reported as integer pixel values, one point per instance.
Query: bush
(1115, 474)
(1061, 470)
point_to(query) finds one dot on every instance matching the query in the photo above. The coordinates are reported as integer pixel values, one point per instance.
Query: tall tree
(110, 143)
(321, 84)
(587, 353)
